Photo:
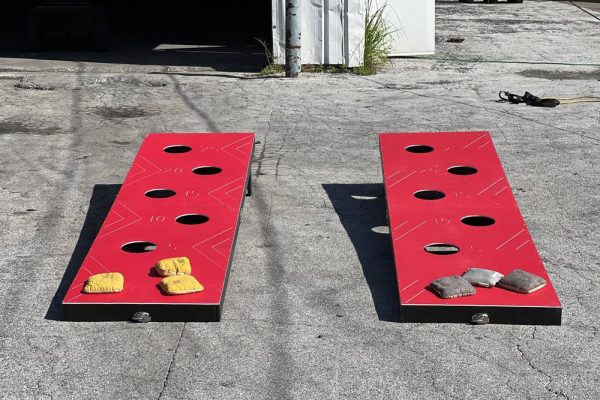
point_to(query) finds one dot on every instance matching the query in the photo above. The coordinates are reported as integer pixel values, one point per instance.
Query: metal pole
(293, 62)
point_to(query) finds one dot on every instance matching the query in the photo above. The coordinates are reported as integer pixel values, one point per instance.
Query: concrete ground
(310, 310)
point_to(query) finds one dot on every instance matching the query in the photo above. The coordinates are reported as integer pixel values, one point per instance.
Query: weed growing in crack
(272, 68)
(378, 40)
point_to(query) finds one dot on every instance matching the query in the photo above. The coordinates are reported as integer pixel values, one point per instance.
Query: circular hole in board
(160, 193)
(419, 148)
(478, 220)
(361, 197)
(138, 247)
(177, 149)
(382, 229)
(192, 219)
(441, 249)
(206, 170)
(462, 170)
(429, 194)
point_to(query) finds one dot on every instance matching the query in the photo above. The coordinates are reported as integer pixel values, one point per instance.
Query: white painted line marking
(158, 169)
(394, 174)
(221, 187)
(406, 287)
(215, 246)
(228, 195)
(114, 222)
(210, 258)
(406, 233)
(74, 297)
(485, 144)
(212, 237)
(501, 190)
(397, 182)
(476, 140)
(489, 186)
(511, 238)
(99, 263)
(124, 226)
(401, 225)
(409, 300)
(226, 151)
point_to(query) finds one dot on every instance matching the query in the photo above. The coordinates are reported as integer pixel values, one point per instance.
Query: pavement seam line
(490, 111)
(164, 385)
(584, 10)
(539, 370)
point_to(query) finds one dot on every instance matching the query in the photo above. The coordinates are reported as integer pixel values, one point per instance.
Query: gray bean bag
(522, 282)
(482, 277)
(451, 287)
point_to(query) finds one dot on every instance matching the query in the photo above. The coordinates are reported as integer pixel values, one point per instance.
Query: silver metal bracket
(141, 316)
(480, 319)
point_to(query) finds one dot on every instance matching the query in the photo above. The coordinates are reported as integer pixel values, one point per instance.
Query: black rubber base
(158, 312)
(497, 315)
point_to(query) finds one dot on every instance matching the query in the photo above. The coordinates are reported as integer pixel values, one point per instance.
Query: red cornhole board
(175, 182)
(433, 181)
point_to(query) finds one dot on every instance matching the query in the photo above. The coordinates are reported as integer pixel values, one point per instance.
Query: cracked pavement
(309, 311)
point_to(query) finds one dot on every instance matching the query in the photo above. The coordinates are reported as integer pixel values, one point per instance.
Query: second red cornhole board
(183, 195)
(433, 181)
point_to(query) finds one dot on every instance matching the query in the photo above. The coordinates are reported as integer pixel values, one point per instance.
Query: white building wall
(333, 31)
(413, 23)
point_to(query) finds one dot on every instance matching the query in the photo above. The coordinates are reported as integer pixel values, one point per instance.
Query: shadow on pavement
(102, 200)
(362, 207)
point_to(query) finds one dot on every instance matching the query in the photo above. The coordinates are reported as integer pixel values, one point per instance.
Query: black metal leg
(249, 184)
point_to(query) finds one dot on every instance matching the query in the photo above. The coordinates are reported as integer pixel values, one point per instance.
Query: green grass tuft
(378, 40)
(271, 68)
(326, 69)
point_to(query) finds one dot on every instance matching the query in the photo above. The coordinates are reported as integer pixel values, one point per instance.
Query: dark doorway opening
(219, 35)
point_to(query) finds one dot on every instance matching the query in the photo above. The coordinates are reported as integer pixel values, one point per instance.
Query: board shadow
(362, 212)
(103, 197)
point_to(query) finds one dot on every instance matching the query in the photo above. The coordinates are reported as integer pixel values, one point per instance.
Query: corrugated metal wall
(333, 31)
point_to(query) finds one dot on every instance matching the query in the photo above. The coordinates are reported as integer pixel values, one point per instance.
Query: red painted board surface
(421, 164)
(167, 162)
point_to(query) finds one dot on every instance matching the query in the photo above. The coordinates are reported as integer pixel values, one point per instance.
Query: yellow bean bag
(111, 282)
(173, 266)
(181, 284)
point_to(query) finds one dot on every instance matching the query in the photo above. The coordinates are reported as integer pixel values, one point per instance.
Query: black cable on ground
(533, 100)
